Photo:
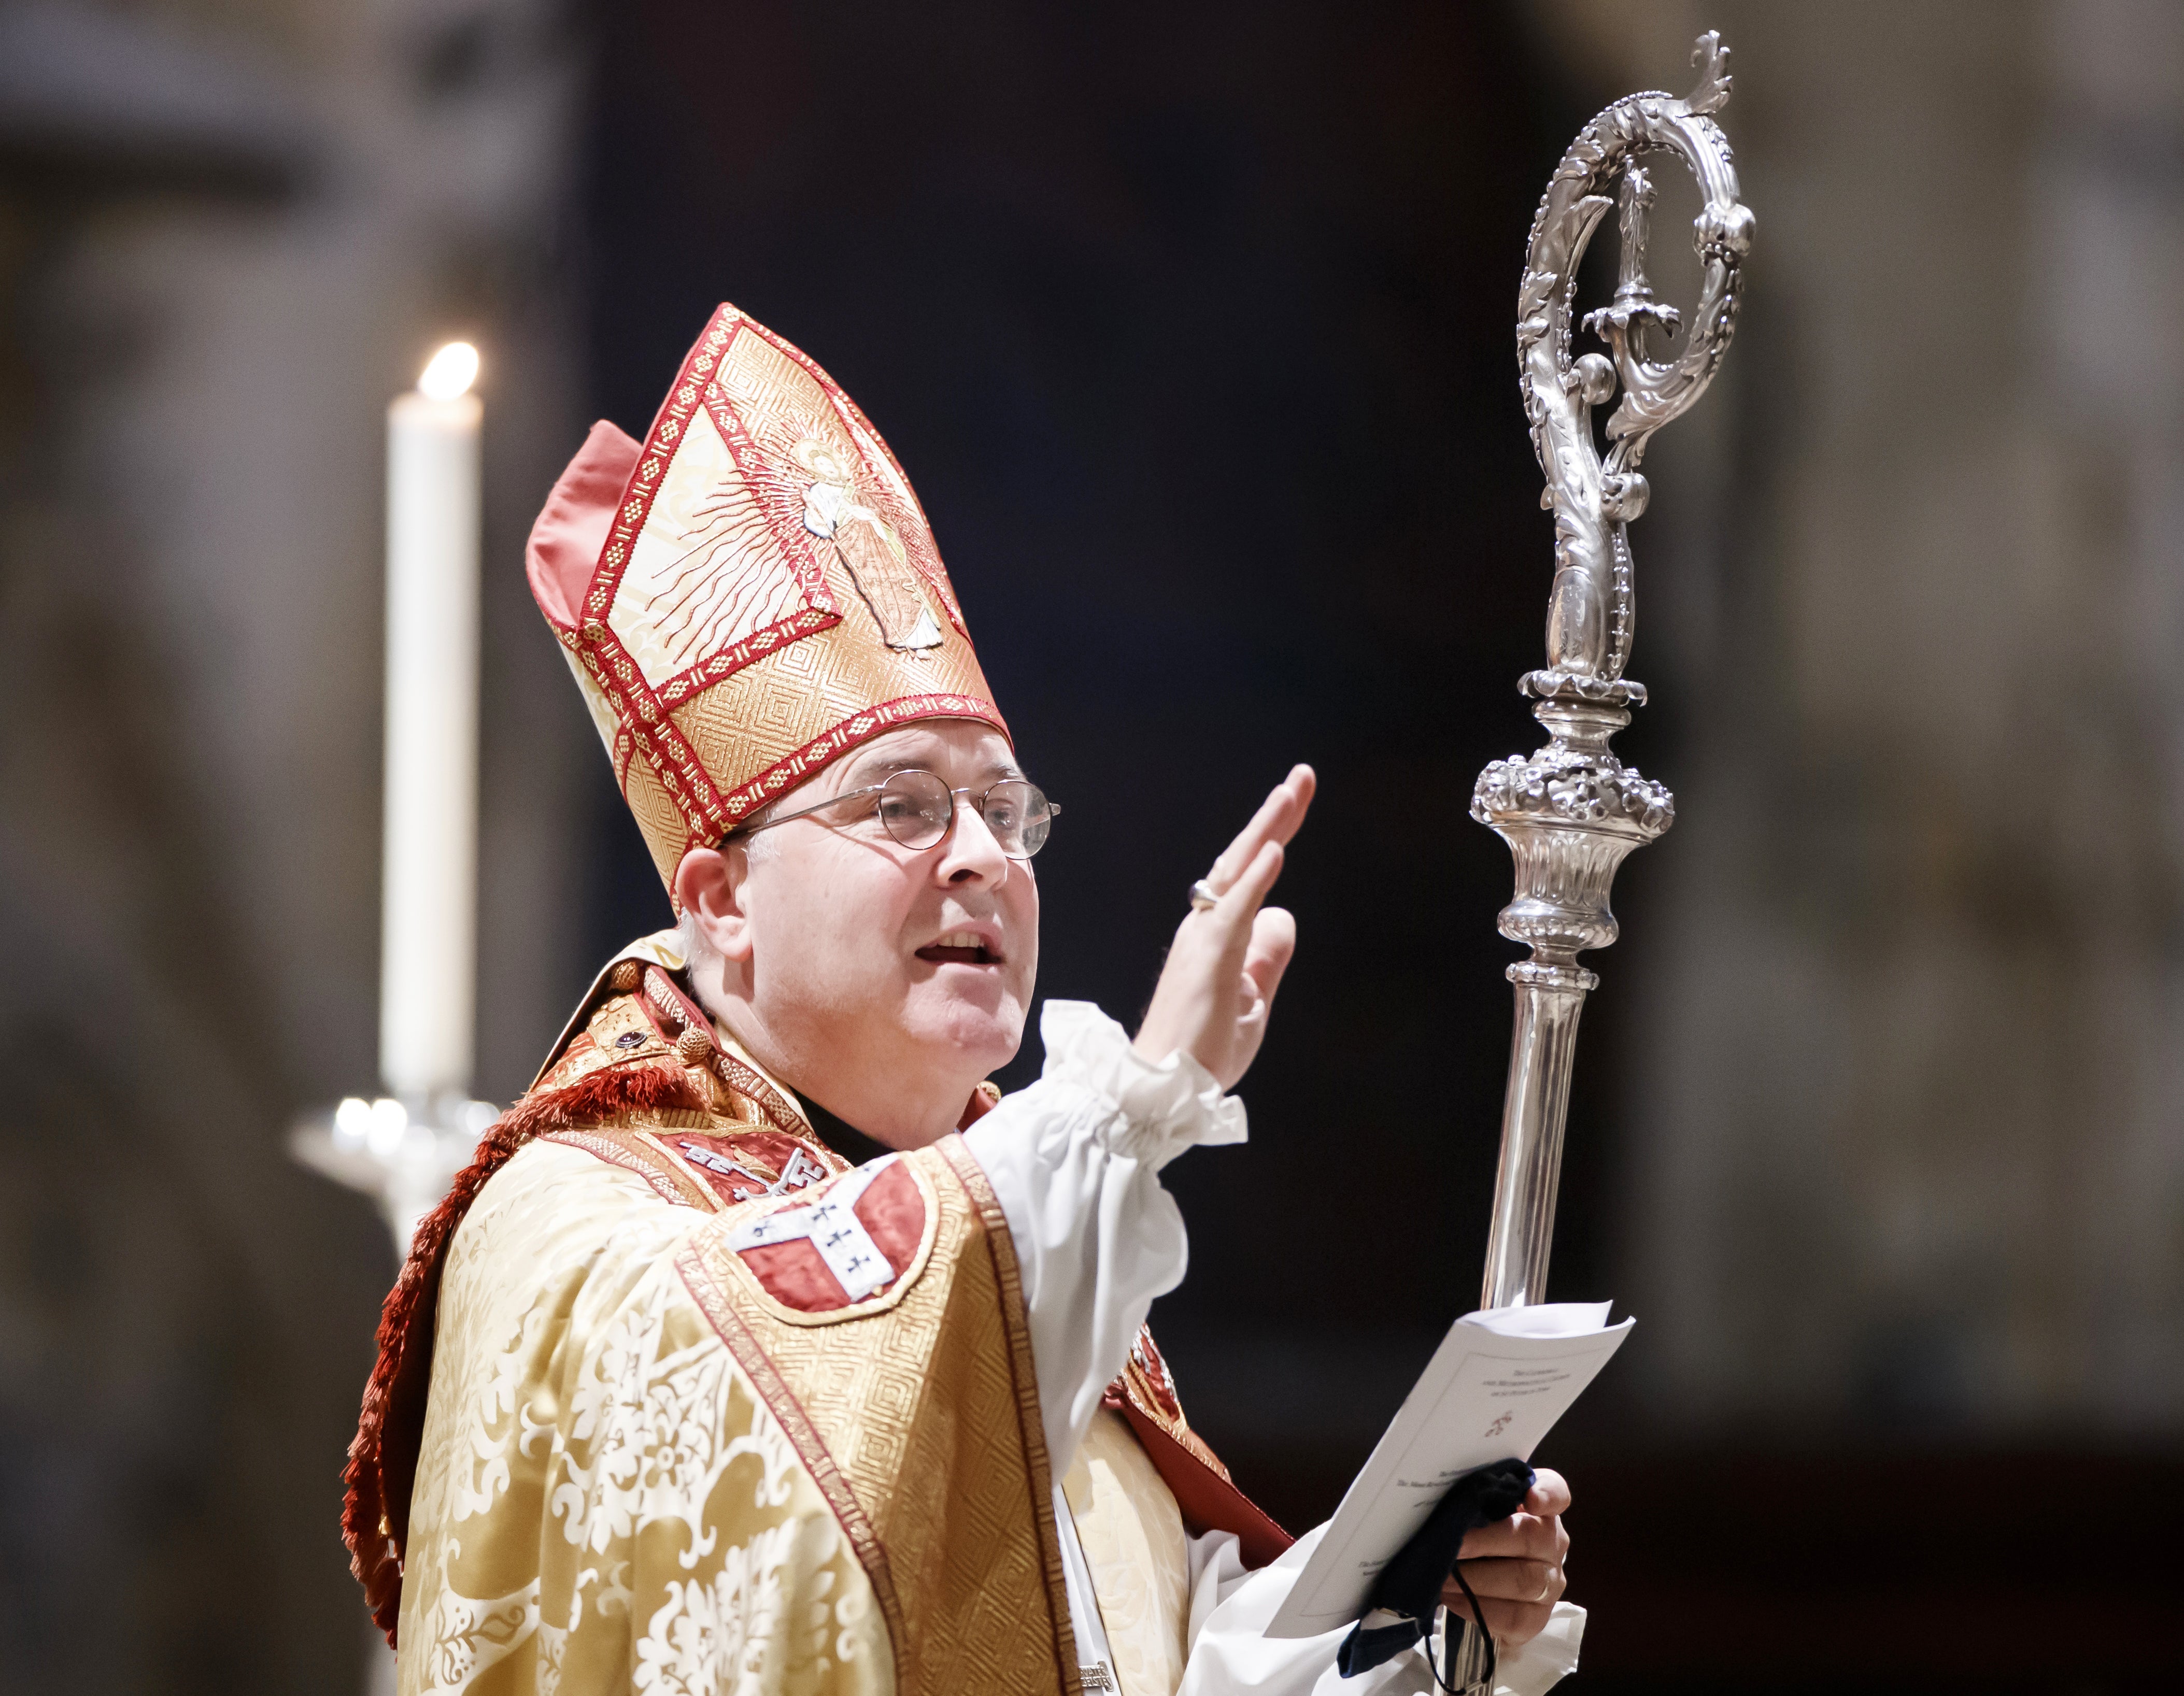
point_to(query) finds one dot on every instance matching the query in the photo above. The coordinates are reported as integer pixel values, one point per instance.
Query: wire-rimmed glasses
(917, 809)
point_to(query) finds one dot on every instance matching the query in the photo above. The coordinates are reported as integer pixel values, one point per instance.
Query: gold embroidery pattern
(618, 1033)
(1001, 1246)
(708, 572)
(621, 1031)
(774, 1389)
(921, 1425)
(746, 1082)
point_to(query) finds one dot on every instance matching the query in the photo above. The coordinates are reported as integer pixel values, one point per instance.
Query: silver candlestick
(1571, 812)
(404, 1155)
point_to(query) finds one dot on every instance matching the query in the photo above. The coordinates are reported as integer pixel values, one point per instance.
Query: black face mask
(1409, 1585)
(843, 1138)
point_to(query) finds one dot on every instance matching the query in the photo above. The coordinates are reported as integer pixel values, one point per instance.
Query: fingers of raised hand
(1276, 821)
(1242, 899)
(1228, 958)
(1273, 942)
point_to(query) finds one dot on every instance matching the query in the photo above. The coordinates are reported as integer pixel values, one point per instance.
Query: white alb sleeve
(1230, 1652)
(1074, 1161)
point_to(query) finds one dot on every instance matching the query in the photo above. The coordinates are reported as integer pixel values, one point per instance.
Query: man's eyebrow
(878, 768)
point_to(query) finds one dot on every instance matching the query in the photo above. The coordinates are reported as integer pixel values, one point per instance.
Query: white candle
(429, 889)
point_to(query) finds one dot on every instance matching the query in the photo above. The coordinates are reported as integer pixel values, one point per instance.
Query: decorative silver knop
(1572, 812)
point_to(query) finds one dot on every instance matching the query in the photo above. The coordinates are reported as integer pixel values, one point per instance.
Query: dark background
(1192, 325)
(1186, 350)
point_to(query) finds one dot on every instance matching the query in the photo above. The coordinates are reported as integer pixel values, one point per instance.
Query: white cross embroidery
(800, 1173)
(832, 1227)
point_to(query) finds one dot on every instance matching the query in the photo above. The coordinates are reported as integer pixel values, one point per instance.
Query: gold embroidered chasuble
(664, 1452)
(651, 1460)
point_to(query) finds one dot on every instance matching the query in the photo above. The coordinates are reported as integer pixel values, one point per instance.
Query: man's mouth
(961, 948)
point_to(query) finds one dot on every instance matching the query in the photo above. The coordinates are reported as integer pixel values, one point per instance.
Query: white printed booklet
(1494, 1386)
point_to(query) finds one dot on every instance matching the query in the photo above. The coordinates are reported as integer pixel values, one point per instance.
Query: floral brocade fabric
(1139, 1554)
(642, 1469)
(604, 1500)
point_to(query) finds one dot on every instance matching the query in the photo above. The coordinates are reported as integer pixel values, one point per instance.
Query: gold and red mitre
(750, 593)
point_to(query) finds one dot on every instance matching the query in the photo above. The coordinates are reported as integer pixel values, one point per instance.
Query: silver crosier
(1572, 812)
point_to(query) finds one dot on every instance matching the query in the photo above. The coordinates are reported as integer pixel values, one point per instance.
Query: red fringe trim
(383, 1461)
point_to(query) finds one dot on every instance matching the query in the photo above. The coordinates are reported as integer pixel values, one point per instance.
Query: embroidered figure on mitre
(868, 547)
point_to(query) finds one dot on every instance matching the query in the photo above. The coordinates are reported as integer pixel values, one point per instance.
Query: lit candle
(429, 887)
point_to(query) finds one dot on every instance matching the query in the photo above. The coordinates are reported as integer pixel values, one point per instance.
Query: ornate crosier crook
(1590, 618)
(1572, 812)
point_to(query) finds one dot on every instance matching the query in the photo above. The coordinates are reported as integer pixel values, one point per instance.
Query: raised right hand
(1218, 985)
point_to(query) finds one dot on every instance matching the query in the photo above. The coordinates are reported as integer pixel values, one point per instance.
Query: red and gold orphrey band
(767, 594)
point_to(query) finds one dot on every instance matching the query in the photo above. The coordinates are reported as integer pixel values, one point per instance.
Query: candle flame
(450, 373)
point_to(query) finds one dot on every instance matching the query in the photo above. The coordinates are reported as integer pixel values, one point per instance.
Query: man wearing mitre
(765, 1347)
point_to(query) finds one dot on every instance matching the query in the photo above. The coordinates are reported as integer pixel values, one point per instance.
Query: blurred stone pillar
(2107, 330)
(226, 237)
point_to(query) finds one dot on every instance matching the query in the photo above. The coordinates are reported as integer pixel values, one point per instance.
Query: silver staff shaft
(1532, 1117)
(1572, 812)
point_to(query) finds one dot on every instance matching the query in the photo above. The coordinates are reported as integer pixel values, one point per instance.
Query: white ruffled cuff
(1165, 1108)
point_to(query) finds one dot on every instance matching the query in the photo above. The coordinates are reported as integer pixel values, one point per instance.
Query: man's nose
(969, 853)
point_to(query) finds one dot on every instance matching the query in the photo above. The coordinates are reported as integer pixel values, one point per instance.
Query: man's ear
(709, 886)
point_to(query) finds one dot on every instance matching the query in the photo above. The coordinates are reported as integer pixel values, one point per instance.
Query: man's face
(885, 960)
